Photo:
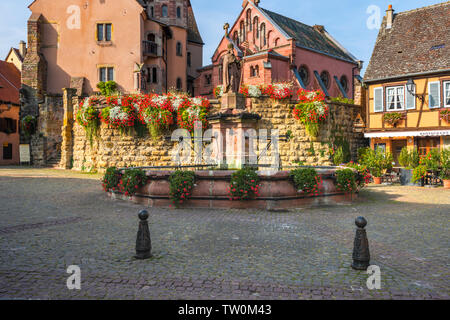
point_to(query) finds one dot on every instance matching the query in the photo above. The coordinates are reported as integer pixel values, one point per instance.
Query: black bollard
(143, 242)
(361, 254)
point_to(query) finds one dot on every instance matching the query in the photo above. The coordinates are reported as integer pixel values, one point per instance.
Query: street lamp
(411, 87)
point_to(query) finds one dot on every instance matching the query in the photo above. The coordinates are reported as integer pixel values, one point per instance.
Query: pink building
(276, 48)
(143, 45)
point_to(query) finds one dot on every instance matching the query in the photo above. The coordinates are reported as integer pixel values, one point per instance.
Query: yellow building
(408, 81)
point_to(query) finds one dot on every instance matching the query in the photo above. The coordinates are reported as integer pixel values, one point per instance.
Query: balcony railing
(150, 48)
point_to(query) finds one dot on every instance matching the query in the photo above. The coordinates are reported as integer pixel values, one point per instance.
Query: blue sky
(345, 20)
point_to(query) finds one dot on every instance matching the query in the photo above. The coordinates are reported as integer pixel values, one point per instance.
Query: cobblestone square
(51, 219)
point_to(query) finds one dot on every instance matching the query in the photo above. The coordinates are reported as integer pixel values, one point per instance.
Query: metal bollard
(143, 241)
(361, 254)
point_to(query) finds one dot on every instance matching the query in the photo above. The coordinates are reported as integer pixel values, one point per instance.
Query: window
(325, 77)
(249, 19)
(410, 99)
(447, 94)
(104, 32)
(236, 37)
(179, 49)
(106, 74)
(152, 11)
(242, 31)
(395, 98)
(179, 84)
(189, 62)
(208, 79)
(344, 83)
(154, 75)
(8, 125)
(304, 74)
(178, 12)
(254, 71)
(434, 94)
(256, 28)
(263, 35)
(7, 151)
(381, 146)
(165, 11)
(378, 99)
(151, 37)
(275, 43)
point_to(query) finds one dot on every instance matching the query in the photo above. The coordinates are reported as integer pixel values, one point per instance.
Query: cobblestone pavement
(51, 219)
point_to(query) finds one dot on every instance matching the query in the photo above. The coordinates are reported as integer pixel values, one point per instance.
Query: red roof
(9, 83)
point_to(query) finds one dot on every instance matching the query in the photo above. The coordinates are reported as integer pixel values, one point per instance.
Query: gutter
(407, 75)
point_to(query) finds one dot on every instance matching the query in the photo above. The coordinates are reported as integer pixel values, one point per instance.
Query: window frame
(180, 52)
(104, 38)
(414, 99)
(403, 102)
(445, 93)
(107, 69)
(429, 95)
(382, 99)
(164, 6)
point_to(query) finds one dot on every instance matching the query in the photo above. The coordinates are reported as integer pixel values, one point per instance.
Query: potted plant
(444, 115)
(445, 167)
(393, 118)
(408, 160)
(377, 162)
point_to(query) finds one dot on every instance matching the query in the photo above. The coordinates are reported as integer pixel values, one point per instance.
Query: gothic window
(249, 19)
(242, 31)
(165, 11)
(256, 28)
(263, 35)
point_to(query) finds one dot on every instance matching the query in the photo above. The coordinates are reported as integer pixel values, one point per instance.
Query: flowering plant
(122, 112)
(181, 184)
(346, 180)
(111, 179)
(131, 180)
(192, 110)
(444, 115)
(311, 110)
(307, 180)
(218, 91)
(419, 173)
(157, 113)
(278, 91)
(244, 184)
(393, 118)
(363, 178)
(88, 116)
(251, 91)
(29, 125)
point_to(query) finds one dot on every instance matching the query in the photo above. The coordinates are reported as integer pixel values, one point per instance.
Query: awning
(391, 134)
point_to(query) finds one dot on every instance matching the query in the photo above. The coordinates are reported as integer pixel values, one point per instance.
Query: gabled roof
(193, 33)
(308, 37)
(17, 52)
(418, 42)
(9, 83)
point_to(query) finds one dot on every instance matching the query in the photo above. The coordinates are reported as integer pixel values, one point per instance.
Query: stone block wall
(111, 148)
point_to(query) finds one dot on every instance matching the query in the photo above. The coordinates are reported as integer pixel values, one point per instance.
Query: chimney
(389, 17)
(23, 48)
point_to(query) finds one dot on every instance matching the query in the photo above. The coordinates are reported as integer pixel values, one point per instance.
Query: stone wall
(111, 148)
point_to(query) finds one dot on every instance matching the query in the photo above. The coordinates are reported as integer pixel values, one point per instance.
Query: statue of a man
(231, 71)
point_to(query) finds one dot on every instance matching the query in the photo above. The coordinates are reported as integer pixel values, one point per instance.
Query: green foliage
(306, 180)
(181, 184)
(28, 125)
(377, 161)
(419, 173)
(445, 164)
(404, 157)
(362, 152)
(338, 157)
(342, 100)
(432, 160)
(414, 158)
(107, 88)
(244, 184)
(363, 177)
(131, 180)
(311, 149)
(111, 179)
(393, 118)
(346, 180)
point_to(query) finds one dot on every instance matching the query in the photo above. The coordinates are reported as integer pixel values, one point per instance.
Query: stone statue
(231, 71)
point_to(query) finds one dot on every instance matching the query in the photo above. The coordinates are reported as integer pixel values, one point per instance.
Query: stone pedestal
(235, 137)
(233, 101)
(66, 130)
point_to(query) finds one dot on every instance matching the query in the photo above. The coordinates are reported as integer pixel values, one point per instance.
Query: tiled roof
(193, 33)
(418, 42)
(307, 36)
(9, 83)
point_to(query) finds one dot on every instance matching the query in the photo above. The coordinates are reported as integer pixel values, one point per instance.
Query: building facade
(408, 79)
(276, 48)
(9, 113)
(16, 56)
(144, 46)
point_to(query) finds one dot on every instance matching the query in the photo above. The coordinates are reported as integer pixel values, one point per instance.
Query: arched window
(165, 11)
(249, 19)
(263, 35)
(303, 71)
(276, 42)
(344, 83)
(236, 37)
(179, 49)
(178, 12)
(179, 84)
(325, 77)
(257, 71)
(256, 28)
(242, 31)
(269, 35)
(252, 71)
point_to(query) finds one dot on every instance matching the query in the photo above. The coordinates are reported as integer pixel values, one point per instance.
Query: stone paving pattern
(50, 219)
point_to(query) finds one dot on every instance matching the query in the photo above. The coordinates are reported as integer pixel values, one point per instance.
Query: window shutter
(434, 95)
(410, 100)
(378, 99)
(2, 125)
(14, 126)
